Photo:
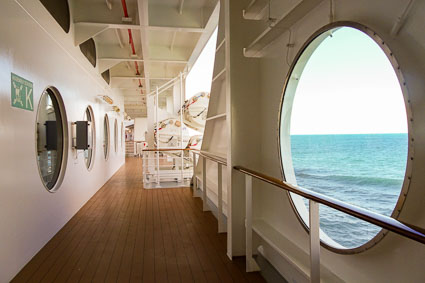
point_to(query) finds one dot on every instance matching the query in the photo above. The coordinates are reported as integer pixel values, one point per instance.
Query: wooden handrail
(391, 224)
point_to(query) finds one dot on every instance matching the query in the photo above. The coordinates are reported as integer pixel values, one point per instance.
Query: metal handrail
(166, 85)
(391, 224)
(210, 156)
(165, 149)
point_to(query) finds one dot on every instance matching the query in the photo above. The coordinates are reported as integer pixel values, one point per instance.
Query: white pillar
(157, 136)
(181, 127)
(195, 180)
(221, 227)
(204, 185)
(314, 242)
(251, 264)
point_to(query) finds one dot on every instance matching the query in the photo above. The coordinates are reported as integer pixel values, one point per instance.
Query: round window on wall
(122, 135)
(106, 137)
(51, 139)
(343, 132)
(88, 154)
(116, 136)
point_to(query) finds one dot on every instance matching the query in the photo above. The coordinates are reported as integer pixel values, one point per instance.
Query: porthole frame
(410, 151)
(108, 137)
(93, 127)
(65, 137)
(122, 136)
(116, 135)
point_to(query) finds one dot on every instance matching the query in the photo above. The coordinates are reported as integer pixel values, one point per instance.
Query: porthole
(51, 139)
(88, 154)
(106, 137)
(116, 136)
(122, 135)
(344, 131)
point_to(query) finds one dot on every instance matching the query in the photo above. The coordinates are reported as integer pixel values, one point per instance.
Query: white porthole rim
(287, 170)
(53, 90)
(116, 136)
(106, 135)
(93, 127)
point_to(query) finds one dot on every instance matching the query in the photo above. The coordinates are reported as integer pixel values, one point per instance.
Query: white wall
(140, 127)
(29, 214)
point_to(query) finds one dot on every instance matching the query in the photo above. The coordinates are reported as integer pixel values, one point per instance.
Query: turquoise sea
(366, 170)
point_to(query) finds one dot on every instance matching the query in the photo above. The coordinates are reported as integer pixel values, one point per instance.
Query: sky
(200, 76)
(348, 87)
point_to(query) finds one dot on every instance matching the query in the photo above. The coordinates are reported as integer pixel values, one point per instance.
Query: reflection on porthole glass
(50, 138)
(106, 136)
(344, 132)
(116, 135)
(88, 154)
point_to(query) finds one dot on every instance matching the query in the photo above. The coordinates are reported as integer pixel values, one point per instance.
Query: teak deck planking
(126, 233)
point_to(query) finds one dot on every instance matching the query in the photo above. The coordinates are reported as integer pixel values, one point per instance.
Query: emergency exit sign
(21, 93)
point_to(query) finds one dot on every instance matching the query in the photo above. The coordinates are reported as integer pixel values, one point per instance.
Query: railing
(220, 162)
(174, 165)
(391, 224)
(388, 223)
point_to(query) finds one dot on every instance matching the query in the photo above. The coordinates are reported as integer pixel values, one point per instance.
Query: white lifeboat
(169, 134)
(195, 111)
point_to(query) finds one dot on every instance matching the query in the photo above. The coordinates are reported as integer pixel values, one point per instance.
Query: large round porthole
(106, 137)
(88, 154)
(51, 137)
(344, 131)
(116, 136)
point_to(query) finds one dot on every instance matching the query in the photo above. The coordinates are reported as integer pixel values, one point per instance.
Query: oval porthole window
(88, 153)
(343, 132)
(116, 135)
(51, 138)
(122, 135)
(106, 137)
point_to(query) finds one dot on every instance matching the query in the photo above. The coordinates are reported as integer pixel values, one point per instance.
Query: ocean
(366, 170)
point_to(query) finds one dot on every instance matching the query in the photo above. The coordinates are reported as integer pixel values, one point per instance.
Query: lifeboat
(195, 111)
(169, 134)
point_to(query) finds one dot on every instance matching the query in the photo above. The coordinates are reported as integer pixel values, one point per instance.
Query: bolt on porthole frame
(53, 97)
(89, 159)
(106, 137)
(285, 109)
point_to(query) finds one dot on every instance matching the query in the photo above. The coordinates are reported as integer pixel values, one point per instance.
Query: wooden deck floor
(128, 234)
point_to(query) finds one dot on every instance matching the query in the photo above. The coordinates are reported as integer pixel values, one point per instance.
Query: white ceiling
(167, 34)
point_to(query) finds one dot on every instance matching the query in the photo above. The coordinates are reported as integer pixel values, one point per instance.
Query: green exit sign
(21, 93)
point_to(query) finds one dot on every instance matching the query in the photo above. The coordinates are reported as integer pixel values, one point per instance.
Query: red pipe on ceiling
(130, 39)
